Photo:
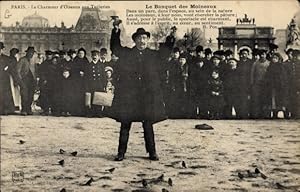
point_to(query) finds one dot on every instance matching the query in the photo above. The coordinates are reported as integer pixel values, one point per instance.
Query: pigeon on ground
(22, 142)
(170, 182)
(61, 151)
(263, 175)
(89, 182)
(241, 176)
(183, 164)
(257, 171)
(62, 162)
(111, 170)
(161, 178)
(249, 173)
(74, 153)
(279, 186)
(144, 182)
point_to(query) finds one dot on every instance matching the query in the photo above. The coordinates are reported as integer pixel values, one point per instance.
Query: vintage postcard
(150, 95)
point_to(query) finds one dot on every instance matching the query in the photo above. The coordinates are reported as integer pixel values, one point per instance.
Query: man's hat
(199, 48)
(215, 57)
(273, 46)
(140, 31)
(55, 53)
(174, 28)
(71, 51)
(95, 52)
(219, 52)
(108, 68)
(30, 49)
(296, 52)
(232, 59)
(289, 50)
(14, 51)
(117, 20)
(81, 49)
(190, 49)
(103, 51)
(55, 56)
(207, 51)
(262, 51)
(228, 52)
(48, 52)
(184, 55)
(62, 52)
(176, 49)
(242, 50)
(2, 45)
(277, 55)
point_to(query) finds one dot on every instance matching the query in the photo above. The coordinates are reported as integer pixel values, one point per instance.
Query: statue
(293, 40)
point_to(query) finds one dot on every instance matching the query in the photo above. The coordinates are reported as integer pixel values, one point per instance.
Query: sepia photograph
(150, 96)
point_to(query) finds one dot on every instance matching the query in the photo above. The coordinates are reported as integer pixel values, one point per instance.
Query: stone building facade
(245, 35)
(91, 31)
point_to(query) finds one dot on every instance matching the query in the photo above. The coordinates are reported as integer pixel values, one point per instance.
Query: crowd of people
(196, 83)
(210, 85)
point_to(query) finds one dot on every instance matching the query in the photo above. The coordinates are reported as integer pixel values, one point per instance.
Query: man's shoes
(153, 157)
(29, 113)
(23, 113)
(119, 157)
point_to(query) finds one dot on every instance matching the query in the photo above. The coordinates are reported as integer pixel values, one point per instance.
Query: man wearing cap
(95, 80)
(43, 82)
(292, 66)
(272, 49)
(258, 71)
(244, 71)
(207, 58)
(171, 71)
(103, 57)
(6, 70)
(228, 54)
(170, 39)
(138, 96)
(199, 74)
(231, 88)
(26, 73)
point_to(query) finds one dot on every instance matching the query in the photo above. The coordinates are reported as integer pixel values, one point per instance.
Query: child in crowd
(216, 100)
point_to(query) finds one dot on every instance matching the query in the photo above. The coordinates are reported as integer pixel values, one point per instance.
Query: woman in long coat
(276, 85)
(77, 73)
(138, 94)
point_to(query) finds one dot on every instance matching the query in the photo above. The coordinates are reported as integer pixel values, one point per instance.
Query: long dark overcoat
(138, 95)
(6, 98)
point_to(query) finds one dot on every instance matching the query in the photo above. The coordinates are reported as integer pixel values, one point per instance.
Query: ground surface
(213, 157)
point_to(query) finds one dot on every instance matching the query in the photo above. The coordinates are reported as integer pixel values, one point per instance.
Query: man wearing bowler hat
(138, 95)
(26, 73)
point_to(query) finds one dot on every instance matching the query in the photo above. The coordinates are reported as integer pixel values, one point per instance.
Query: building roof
(35, 20)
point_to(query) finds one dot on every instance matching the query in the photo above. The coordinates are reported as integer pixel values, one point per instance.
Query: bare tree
(192, 39)
(160, 32)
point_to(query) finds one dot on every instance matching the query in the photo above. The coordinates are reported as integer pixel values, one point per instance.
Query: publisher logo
(17, 176)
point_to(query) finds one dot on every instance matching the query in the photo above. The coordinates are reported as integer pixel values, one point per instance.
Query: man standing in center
(138, 95)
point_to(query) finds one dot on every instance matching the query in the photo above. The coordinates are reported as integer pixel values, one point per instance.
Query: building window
(24, 36)
(15, 36)
(42, 37)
